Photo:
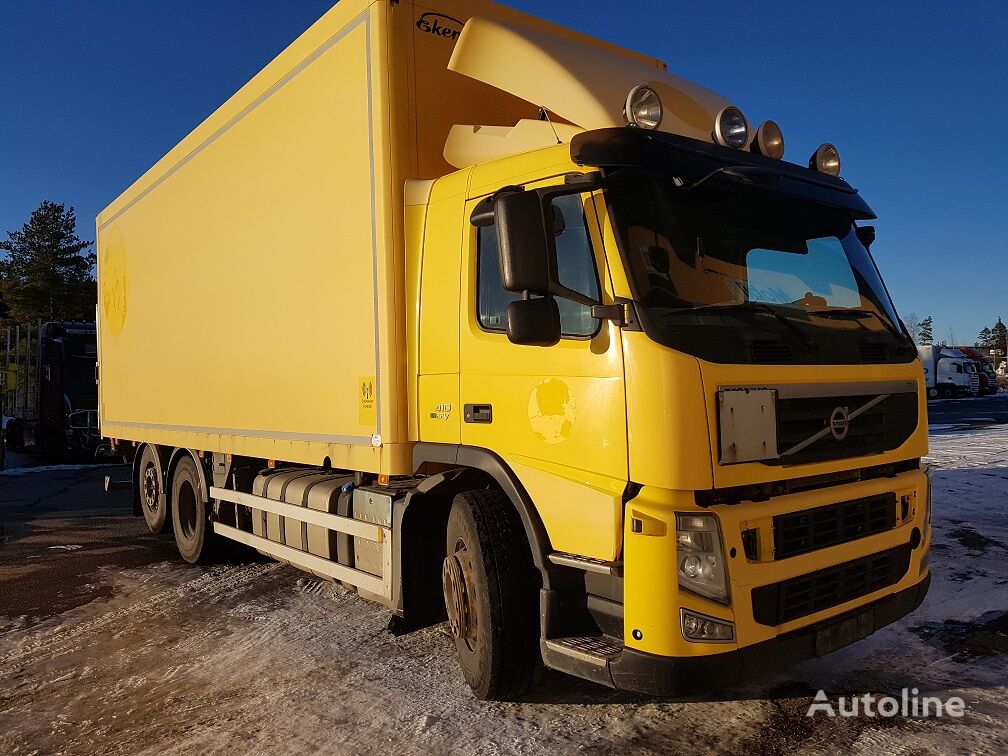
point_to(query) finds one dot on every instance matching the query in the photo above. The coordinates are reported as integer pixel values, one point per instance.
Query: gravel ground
(109, 644)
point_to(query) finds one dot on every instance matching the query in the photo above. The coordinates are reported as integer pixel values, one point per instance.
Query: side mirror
(534, 322)
(866, 235)
(523, 243)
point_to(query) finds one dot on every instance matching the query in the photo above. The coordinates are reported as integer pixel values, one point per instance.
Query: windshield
(741, 275)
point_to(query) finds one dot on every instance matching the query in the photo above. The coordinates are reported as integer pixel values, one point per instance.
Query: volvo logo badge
(839, 423)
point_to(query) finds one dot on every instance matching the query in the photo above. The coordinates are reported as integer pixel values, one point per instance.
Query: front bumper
(684, 676)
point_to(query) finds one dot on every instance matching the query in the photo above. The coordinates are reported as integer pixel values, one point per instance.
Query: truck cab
(704, 375)
(52, 399)
(948, 373)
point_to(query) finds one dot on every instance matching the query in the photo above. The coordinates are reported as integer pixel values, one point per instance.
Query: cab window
(575, 267)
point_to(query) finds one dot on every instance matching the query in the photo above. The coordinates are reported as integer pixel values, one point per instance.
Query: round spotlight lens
(691, 625)
(730, 128)
(769, 140)
(643, 108)
(826, 160)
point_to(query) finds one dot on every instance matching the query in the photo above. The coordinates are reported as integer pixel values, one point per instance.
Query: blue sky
(915, 95)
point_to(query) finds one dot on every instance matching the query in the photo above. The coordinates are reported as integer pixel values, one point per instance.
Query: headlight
(826, 160)
(701, 556)
(643, 108)
(730, 128)
(769, 140)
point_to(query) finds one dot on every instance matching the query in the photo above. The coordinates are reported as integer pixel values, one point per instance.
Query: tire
(491, 590)
(194, 535)
(947, 393)
(154, 500)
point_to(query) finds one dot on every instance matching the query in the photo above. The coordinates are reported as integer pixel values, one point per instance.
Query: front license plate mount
(843, 633)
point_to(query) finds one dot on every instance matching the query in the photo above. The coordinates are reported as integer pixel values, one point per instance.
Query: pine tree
(926, 334)
(986, 338)
(47, 274)
(1000, 333)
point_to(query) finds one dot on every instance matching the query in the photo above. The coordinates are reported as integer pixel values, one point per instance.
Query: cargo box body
(251, 283)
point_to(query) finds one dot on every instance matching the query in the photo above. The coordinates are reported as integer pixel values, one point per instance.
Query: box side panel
(241, 292)
(341, 15)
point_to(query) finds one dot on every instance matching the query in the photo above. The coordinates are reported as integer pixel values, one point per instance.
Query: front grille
(807, 594)
(880, 428)
(822, 527)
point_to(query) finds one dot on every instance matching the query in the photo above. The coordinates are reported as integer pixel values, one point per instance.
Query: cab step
(586, 656)
(586, 563)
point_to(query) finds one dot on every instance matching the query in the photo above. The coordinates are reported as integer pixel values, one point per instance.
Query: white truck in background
(948, 373)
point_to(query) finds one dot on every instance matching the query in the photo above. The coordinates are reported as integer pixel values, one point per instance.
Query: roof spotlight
(826, 160)
(643, 108)
(769, 140)
(730, 128)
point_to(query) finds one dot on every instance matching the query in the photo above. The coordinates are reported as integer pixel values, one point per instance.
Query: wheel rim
(151, 488)
(456, 576)
(187, 509)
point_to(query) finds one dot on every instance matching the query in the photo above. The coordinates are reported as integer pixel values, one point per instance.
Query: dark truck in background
(49, 397)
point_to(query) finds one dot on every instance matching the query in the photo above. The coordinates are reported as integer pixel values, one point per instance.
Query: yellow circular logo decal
(551, 411)
(114, 282)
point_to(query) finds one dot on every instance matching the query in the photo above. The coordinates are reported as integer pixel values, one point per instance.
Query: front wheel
(491, 590)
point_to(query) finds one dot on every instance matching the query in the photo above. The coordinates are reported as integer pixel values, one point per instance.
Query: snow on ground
(257, 658)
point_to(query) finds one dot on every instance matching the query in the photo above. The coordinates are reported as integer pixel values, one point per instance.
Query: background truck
(50, 398)
(508, 326)
(985, 369)
(948, 373)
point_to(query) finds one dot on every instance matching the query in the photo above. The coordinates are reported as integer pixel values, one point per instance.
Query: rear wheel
(194, 534)
(947, 393)
(491, 594)
(153, 497)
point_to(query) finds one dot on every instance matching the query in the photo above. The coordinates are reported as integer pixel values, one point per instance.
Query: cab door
(556, 415)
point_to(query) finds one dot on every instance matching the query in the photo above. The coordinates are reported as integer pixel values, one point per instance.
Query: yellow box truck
(505, 325)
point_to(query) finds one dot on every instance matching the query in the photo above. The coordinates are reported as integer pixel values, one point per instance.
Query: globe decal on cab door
(552, 411)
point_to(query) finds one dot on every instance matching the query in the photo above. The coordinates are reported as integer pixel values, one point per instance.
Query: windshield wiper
(858, 313)
(746, 174)
(747, 307)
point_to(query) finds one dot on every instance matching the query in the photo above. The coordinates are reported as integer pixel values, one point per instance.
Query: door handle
(479, 413)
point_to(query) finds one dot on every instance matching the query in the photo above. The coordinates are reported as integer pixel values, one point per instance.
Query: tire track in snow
(61, 635)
